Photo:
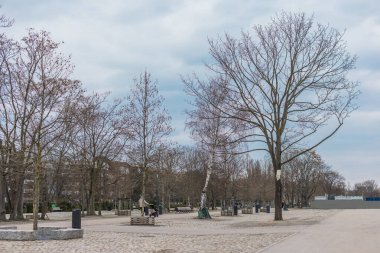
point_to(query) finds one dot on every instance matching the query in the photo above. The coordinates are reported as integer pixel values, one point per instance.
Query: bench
(28, 216)
(226, 213)
(247, 210)
(123, 212)
(56, 209)
(183, 209)
(142, 220)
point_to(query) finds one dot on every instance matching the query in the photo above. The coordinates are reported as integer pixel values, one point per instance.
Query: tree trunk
(83, 198)
(203, 195)
(142, 204)
(8, 196)
(45, 197)
(91, 194)
(100, 207)
(91, 204)
(278, 197)
(208, 176)
(2, 195)
(16, 194)
(20, 208)
(37, 182)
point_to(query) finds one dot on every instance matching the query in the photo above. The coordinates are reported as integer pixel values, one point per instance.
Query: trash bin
(257, 208)
(146, 210)
(235, 210)
(160, 210)
(268, 209)
(285, 207)
(76, 218)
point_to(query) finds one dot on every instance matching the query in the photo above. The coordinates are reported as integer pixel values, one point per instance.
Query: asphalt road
(355, 230)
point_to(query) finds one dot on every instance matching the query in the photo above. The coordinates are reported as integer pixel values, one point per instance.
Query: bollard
(76, 219)
(235, 209)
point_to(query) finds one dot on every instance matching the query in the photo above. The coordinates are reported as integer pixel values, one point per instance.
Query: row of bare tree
(56, 136)
(281, 89)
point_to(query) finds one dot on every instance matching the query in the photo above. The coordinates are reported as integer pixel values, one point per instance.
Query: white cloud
(356, 166)
(369, 29)
(369, 79)
(366, 117)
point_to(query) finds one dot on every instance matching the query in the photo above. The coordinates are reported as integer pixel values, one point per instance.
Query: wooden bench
(226, 213)
(30, 216)
(56, 209)
(123, 212)
(247, 210)
(183, 209)
(141, 220)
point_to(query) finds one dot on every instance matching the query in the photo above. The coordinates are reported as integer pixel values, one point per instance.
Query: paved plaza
(301, 231)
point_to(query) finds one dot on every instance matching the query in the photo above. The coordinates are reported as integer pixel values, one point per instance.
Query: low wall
(43, 233)
(345, 204)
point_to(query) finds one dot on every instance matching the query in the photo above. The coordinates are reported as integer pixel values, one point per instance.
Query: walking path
(301, 231)
(355, 230)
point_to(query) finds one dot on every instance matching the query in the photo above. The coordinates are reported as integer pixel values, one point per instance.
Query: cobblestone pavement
(173, 233)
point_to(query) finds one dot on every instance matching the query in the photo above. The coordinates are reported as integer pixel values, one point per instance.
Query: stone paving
(173, 233)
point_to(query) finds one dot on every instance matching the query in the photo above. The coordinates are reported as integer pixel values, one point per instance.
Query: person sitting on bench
(153, 212)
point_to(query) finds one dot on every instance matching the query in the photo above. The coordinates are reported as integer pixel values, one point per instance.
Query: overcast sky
(111, 42)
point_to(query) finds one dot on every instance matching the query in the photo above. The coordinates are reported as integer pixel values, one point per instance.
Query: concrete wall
(43, 233)
(345, 204)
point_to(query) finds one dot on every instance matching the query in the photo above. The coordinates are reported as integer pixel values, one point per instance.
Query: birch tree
(211, 131)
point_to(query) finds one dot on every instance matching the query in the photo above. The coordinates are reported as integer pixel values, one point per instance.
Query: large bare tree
(287, 82)
(51, 92)
(35, 95)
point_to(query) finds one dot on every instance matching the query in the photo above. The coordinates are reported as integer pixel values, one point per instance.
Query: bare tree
(211, 131)
(149, 126)
(101, 135)
(368, 188)
(287, 82)
(7, 51)
(3, 164)
(191, 174)
(35, 92)
(302, 176)
(332, 183)
(51, 92)
(167, 167)
(16, 111)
